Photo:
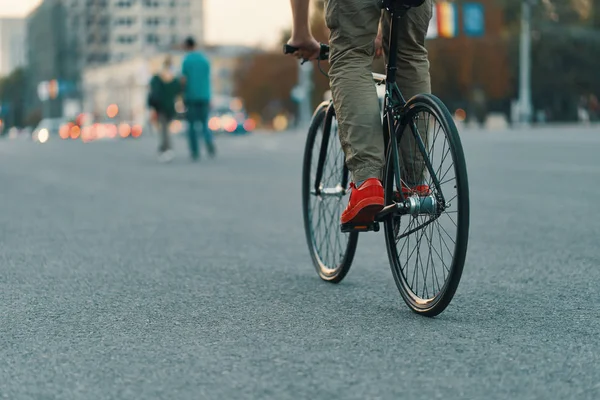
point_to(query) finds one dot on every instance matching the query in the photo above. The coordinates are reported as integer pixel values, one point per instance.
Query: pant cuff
(362, 174)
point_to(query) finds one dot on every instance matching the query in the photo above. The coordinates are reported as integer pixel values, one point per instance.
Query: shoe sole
(365, 211)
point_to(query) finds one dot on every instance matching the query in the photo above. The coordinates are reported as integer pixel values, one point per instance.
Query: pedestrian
(164, 89)
(197, 96)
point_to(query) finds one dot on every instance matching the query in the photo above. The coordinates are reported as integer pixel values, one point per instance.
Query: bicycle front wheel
(331, 250)
(427, 247)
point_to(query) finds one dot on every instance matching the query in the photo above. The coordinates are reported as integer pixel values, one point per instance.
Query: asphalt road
(121, 278)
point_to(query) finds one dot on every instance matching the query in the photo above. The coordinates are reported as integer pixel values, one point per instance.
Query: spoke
(442, 251)
(408, 228)
(433, 140)
(320, 242)
(450, 218)
(429, 258)
(449, 251)
(420, 261)
(444, 155)
(434, 270)
(447, 180)
(429, 261)
(412, 254)
(426, 291)
(440, 256)
(447, 170)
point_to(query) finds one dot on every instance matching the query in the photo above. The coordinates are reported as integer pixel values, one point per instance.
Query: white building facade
(12, 44)
(116, 30)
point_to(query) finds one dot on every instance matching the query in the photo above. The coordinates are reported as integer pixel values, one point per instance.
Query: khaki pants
(354, 25)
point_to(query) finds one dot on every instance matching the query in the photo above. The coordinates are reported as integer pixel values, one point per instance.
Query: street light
(525, 106)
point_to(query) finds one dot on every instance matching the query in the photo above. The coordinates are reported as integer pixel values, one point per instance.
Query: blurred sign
(48, 90)
(447, 19)
(473, 19)
(43, 91)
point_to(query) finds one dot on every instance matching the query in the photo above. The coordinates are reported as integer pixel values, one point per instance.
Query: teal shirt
(196, 70)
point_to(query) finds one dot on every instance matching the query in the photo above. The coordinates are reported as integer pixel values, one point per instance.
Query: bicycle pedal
(349, 228)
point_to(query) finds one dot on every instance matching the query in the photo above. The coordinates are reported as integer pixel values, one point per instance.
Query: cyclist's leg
(353, 25)
(413, 78)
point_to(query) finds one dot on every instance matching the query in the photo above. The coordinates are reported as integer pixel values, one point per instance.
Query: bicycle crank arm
(411, 206)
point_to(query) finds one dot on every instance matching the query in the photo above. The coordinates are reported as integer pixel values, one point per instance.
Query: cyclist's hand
(309, 47)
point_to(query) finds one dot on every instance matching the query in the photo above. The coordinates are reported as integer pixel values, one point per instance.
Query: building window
(125, 21)
(153, 21)
(152, 39)
(126, 39)
(97, 3)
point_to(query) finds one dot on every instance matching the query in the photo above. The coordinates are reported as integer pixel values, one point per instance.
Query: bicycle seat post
(396, 13)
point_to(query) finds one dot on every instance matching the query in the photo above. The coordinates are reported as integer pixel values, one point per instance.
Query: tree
(264, 82)
(565, 39)
(12, 89)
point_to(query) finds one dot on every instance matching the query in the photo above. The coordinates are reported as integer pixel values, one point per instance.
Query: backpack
(154, 95)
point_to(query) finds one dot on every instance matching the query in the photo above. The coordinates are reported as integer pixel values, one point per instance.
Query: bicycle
(410, 215)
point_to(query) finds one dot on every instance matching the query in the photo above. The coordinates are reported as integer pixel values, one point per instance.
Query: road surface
(122, 278)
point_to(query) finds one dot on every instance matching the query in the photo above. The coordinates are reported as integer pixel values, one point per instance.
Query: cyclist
(359, 31)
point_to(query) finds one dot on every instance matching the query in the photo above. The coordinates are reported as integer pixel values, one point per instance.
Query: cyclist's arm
(301, 28)
(302, 39)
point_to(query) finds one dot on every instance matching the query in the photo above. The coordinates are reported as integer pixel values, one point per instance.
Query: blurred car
(224, 120)
(47, 129)
(229, 116)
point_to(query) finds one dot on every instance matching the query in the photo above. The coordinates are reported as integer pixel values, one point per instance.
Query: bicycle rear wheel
(427, 248)
(331, 251)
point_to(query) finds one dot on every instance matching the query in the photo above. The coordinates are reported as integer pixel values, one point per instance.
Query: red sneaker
(365, 202)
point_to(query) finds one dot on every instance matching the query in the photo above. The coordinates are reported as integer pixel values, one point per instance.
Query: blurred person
(195, 71)
(359, 32)
(164, 89)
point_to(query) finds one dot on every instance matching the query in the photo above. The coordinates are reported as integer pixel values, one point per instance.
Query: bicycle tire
(330, 271)
(430, 306)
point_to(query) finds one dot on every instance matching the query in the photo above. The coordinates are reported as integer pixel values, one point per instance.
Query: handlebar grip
(323, 55)
(287, 49)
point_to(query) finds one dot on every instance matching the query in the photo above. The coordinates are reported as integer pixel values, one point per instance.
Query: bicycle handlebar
(323, 54)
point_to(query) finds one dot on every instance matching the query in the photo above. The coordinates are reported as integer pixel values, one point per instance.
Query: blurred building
(125, 83)
(112, 31)
(52, 68)
(470, 60)
(225, 61)
(66, 37)
(12, 44)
